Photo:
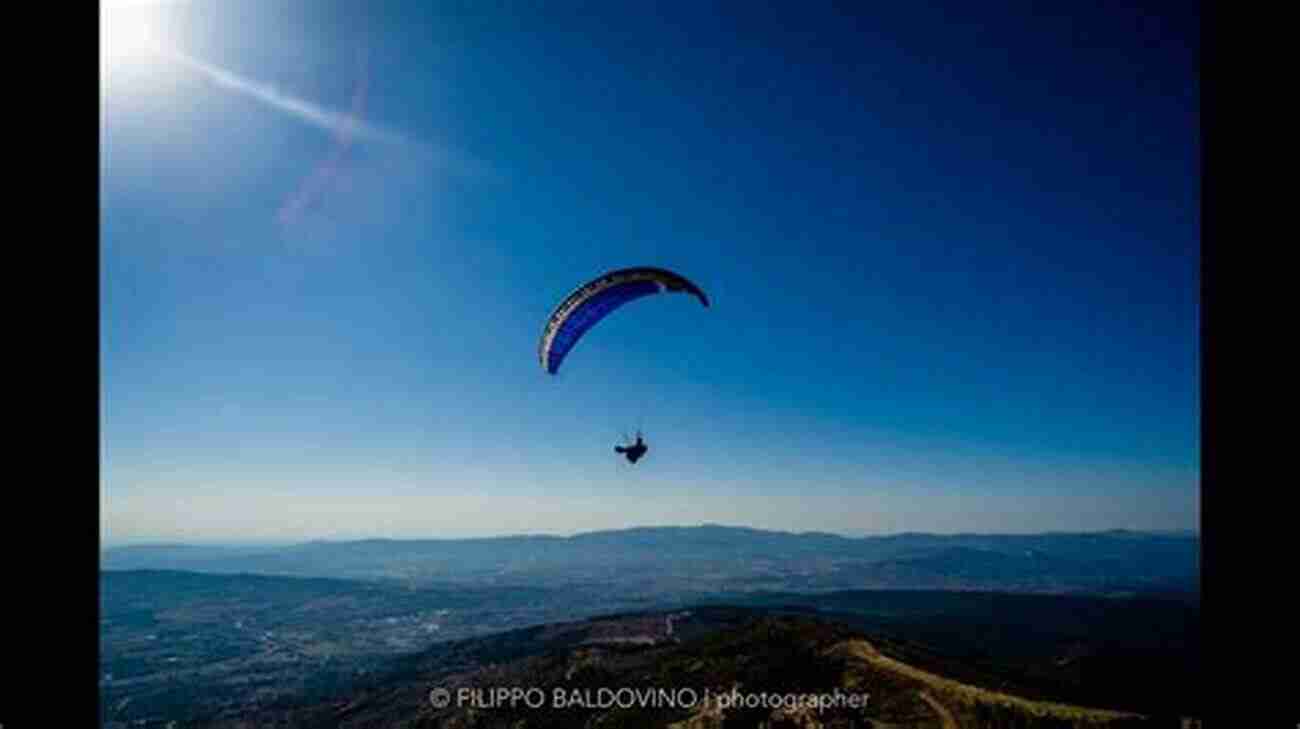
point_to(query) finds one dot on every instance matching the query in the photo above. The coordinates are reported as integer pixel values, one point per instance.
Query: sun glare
(126, 36)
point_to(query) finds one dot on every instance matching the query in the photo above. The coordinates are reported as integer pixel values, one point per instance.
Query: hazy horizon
(148, 542)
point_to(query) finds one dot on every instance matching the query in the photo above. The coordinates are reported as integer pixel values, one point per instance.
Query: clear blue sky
(952, 252)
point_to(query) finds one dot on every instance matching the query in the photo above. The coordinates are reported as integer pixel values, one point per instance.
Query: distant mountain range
(688, 561)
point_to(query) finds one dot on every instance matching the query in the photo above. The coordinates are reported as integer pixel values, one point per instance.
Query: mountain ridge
(660, 529)
(670, 563)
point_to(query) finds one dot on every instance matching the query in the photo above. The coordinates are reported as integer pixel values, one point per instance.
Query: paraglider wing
(594, 300)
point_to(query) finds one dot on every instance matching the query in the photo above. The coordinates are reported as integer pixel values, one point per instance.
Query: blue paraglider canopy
(594, 300)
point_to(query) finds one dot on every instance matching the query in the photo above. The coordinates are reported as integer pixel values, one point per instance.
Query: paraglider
(594, 300)
(634, 451)
(587, 305)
